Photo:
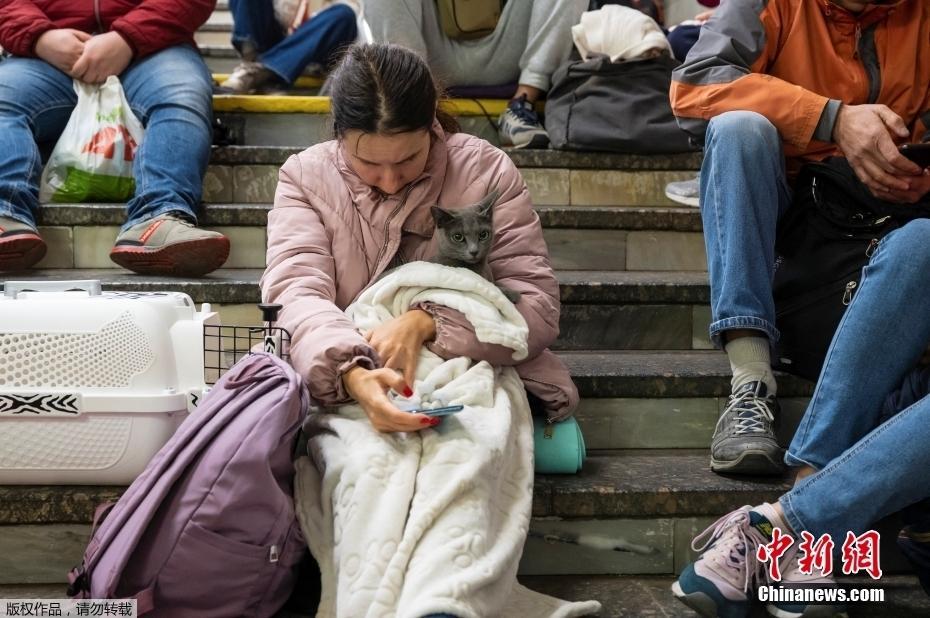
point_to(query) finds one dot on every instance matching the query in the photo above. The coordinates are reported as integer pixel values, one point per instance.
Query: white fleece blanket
(406, 525)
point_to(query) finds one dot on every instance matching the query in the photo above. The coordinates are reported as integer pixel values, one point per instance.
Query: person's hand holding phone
(369, 387)
(866, 135)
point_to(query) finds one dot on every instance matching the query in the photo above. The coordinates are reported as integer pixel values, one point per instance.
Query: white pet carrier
(92, 383)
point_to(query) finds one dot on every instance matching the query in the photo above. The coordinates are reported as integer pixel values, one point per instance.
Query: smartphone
(446, 411)
(918, 153)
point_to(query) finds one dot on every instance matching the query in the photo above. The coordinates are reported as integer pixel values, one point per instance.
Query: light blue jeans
(743, 193)
(867, 470)
(170, 92)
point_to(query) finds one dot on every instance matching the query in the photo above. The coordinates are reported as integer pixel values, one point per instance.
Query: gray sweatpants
(532, 38)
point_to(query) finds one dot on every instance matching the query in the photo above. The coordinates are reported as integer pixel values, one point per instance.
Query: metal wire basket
(224, 346)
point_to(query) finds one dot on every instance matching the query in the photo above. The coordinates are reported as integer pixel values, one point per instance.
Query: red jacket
(147, 25)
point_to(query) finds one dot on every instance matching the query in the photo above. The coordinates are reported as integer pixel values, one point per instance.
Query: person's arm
(21, 26)
(518, 260)
(157, 24)
(726, 71)
(301, 276)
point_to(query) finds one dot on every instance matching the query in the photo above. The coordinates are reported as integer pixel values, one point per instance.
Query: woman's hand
(398, 341)
(369, 388)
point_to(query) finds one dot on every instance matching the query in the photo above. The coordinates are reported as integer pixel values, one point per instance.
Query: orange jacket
(796, 61)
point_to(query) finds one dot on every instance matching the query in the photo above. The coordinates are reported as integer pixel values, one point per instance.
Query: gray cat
(465, 237)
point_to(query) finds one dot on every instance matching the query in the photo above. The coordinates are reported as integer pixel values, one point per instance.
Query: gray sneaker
(253, 78)
(687, 192)
(21, 247)
(170, 245)
(519, 126)
(744, 439)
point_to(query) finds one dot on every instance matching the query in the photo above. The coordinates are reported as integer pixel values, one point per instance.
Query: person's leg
(36, 101)
(255, 27)
(405, 22)
(682, 39)
(743, 193)
(548, 44)
(170, 93)
(880, 474)
(881, 337)
(316, 42)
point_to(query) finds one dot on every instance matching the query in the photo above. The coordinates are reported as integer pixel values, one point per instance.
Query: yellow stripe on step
(304, 81)
(265, 104)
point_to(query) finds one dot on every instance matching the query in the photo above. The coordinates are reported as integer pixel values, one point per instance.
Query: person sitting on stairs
(750, 90)
(531, 40)
(274, 56)
(150, 47)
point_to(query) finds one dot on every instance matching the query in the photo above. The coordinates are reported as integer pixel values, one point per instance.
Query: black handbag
(823, 242)
(606, 106)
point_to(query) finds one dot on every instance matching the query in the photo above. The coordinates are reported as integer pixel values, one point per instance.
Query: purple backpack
(208, 528)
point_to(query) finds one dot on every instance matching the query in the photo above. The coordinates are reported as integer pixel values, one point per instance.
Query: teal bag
(559, 446)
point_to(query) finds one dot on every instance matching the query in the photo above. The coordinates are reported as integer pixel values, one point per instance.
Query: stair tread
(626, 483)
(649, 483)
(522, 157)
(628, 218)
(241, 285)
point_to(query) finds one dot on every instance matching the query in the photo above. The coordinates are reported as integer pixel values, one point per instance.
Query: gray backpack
(609, 106)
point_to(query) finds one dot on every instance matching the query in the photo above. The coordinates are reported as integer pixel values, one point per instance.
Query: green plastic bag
(92, 161)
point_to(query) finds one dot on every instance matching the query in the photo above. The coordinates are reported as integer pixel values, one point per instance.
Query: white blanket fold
(406, 525)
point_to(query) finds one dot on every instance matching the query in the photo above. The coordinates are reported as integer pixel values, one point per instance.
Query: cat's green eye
(484, 235)
(458, 237)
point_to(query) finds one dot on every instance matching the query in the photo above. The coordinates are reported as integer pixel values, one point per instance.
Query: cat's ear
(441, 217)
(486, 205)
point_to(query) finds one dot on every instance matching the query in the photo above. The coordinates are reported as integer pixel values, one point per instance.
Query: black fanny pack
(823, 241)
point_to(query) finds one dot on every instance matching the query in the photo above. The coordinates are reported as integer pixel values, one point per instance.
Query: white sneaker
(687, 192)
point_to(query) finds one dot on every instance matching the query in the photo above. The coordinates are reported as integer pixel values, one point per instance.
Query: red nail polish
(427, 421)
(434, 421)
(408, 392)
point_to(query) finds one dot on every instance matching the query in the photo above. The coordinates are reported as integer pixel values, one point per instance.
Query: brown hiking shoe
(21, 247)
(169, 245)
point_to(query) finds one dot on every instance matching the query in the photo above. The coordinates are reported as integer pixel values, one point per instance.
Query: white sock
(750, 360)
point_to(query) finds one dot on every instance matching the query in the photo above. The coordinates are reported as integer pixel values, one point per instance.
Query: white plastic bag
(92, 160)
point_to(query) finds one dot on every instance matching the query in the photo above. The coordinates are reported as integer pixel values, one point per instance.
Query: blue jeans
(743, 193)
(868, 469)
(170, 92)
(314, 42)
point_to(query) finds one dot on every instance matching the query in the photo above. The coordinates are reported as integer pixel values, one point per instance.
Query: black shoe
(744, 439)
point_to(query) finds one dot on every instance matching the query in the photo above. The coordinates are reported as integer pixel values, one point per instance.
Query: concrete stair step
(522, 158)
(81, 236)
(619, 219)
(650, 483)
(602, 310)
(562, 184)
(634, 596)
(652, 503)
(655, 501)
